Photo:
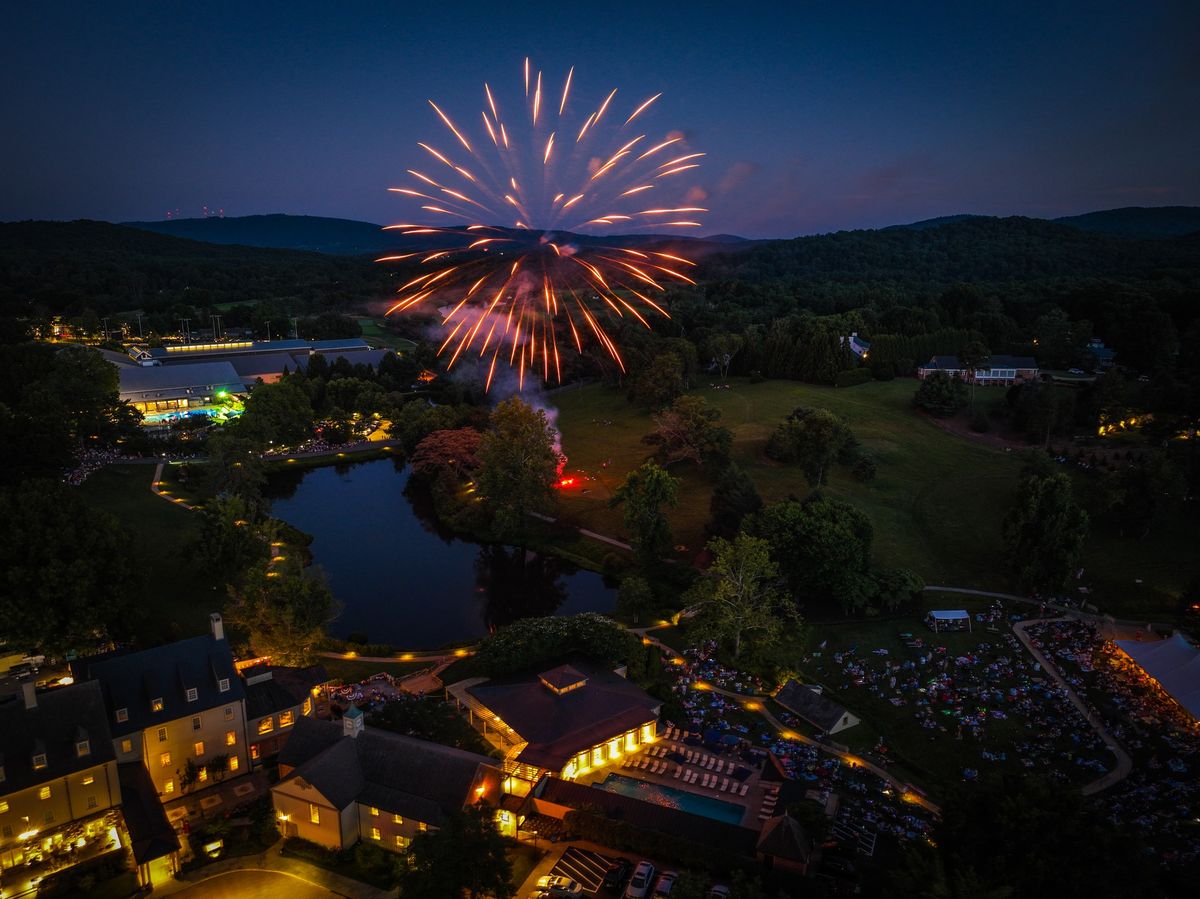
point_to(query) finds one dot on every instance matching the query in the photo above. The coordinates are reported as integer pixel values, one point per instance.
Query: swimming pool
(672, 798)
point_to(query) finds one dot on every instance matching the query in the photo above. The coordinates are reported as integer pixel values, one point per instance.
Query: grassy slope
(936, 504)
(178, 596)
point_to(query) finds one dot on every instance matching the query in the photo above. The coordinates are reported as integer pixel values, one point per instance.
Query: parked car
(1074, 371)
(665, 883)
(558, 887)
(718, 891)
(639, 884)
(617, 873)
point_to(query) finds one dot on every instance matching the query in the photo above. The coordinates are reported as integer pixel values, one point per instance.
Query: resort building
(178, 709)
(340, 782)
(997, 370)
(59, 784)
(564, 721)
(179, 388)
(276, 698)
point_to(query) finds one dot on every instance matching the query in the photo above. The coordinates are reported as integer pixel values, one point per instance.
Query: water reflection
(401, 578)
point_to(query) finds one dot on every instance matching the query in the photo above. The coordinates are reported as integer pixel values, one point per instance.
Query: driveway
(255, 885)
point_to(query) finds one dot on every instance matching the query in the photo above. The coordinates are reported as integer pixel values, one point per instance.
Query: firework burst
(518, 209)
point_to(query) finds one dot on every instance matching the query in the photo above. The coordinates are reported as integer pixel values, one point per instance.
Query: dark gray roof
(195, 375)
(63, 717)
(287, 688)
(394, 773)
(130, 681)
(259, 365)
(951, 363)
(783, 837)
(558, 727)
(664, 819)
(810, 705)
(150, 833)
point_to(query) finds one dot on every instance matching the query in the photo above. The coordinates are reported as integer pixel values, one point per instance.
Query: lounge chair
(709, 762)
(720, 765)
(690, 755)
(678, 771)
(744, 789)
(725, 785)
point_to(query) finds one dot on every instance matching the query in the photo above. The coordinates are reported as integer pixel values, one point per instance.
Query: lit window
(122, 715)
(598, 755)
(402, 842)
(199, 748)
(233, 763)
(287, 719)
(39, 760)
(192, 694)
(223, 685)
(230, 738)
(89, 780)
(374, 812)
(156, 705)
(3, 806)
(228, 713)
(314, 813)
(165, 759)
(396, 819)
(196, 723)
(162, 735)
(44, 793)
(83, 747)
(202, 775)
(169, 786)
(254, 751)
(127, 746)
(422, 826)
(306, 709)
(266, 725)
(374, 833)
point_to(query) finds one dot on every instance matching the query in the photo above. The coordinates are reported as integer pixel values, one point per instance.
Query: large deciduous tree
(823, 548)
(688, 429)
(645, 492)
(454, 451)
(518, 464)
(813, 438)
(734, 497)
(660, 382)
(1044, 533)
(740, 594)
(972, 358)
(278, 413)
(940, 395)
(466, 857)
(68, 576)
(284, 611)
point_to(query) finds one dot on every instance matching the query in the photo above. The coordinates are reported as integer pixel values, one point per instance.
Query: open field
(378, 336)
(937, 503)
(178, 594)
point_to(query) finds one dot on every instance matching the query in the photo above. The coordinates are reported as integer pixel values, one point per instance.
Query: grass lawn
(355, 670)
(937, 502)
(524, 859)
(176, 594)
(380, 337)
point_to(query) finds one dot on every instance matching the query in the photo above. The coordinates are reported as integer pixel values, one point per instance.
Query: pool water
(673, 798)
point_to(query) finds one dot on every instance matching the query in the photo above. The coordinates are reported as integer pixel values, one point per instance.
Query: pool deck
(757, 803)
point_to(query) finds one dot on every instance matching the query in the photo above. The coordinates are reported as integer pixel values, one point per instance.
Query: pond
(401, 579)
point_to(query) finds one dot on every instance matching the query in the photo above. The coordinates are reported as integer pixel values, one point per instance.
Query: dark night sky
(823, 117)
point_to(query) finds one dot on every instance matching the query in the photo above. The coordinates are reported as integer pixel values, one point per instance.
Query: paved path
(208, 881)
(1124, 762)
(760, 703)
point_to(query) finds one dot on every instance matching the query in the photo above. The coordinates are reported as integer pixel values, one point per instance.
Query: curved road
(255, 884)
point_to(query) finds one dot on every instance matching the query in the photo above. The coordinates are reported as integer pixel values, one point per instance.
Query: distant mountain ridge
(1152, 222)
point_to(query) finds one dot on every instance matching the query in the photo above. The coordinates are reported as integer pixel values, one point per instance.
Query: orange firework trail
(520, 209)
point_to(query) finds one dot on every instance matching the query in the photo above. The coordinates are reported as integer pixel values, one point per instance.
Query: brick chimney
(218, 627)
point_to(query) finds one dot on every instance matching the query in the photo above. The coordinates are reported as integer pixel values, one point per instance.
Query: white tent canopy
(1174, 663)
(942, 618)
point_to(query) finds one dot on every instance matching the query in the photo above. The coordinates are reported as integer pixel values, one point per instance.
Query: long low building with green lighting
(157, 389)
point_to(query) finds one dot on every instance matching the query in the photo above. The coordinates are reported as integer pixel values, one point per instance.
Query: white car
(557, 887)
(639, 884)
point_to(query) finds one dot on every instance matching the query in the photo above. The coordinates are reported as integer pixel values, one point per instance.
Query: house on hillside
(818, 710)
(566, 721)
(340, 783)
(859, 347)
(998, 370)
(1103, 358)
